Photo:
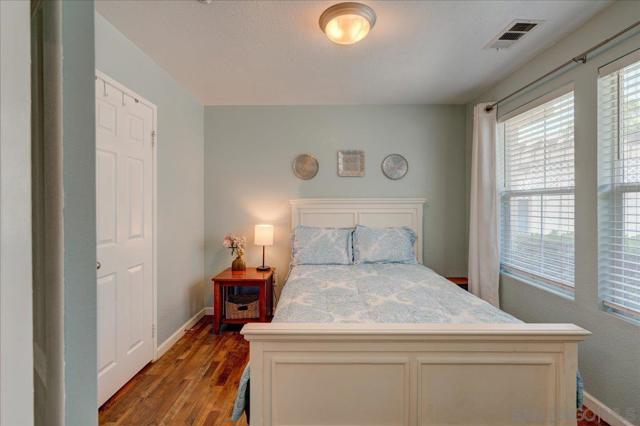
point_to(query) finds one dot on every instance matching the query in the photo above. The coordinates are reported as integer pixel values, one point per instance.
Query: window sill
(619, 314)
(550, 288)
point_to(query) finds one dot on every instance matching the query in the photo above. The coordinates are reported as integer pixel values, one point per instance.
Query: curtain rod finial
(582, 59)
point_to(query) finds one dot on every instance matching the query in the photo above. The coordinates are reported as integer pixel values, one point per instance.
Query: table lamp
(263, 237)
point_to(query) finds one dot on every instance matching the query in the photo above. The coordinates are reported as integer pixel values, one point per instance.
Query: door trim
(154, 195)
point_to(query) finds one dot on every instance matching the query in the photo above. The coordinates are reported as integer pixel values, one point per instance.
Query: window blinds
(537, 194)
(619, 185)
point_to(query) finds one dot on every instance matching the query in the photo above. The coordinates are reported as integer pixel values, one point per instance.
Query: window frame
(617, 193)
(615, 190)
(537, 279)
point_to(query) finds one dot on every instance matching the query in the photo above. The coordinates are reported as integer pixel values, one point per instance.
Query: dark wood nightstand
(249, 278)
(463, 282)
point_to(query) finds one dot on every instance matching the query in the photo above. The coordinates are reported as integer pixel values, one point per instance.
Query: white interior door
(124, 183)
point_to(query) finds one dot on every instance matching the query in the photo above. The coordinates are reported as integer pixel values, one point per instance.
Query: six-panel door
(124, 179)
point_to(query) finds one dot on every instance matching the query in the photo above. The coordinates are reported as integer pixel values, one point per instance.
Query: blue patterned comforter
(391, 293)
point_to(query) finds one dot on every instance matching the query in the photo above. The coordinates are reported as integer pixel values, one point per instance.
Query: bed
(397, 344)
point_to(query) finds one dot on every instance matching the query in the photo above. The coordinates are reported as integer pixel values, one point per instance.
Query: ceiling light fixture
(347, 23)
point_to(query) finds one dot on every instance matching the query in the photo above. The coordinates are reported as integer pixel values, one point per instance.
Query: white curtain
(484, 256)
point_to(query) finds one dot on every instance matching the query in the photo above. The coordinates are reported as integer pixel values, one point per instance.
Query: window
(537, 193)
(619, 185)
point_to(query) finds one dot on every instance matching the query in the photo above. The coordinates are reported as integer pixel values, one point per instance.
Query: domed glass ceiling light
(347, 23)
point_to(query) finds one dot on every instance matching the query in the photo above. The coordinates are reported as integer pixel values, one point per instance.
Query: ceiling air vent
(511, 36)
(512, 33)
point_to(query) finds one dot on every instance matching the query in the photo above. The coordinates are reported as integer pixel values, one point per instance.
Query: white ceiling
(273, 52)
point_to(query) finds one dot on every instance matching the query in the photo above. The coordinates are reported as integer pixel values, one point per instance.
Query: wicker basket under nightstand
(239, 306)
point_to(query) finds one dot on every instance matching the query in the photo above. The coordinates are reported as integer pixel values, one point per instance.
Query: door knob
(98, 265)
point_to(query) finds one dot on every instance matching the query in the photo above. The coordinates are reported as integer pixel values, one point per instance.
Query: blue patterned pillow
(383, 245)
(322, 246)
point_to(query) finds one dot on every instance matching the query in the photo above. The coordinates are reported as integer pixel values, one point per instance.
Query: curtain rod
(580, 59)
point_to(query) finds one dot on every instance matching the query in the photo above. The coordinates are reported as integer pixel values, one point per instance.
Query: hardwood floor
(195, 383)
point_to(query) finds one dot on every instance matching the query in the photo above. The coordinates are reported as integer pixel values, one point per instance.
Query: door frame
(154, 194)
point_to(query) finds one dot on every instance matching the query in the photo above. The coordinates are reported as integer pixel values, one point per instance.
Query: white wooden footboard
(413, 374)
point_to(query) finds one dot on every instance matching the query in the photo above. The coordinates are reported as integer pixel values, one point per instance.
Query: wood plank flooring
(195, 383)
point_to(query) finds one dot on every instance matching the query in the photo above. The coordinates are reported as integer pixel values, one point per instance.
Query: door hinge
(153, 331)
(153, 138)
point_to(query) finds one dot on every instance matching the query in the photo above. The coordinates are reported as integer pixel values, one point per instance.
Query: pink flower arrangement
(236, 244)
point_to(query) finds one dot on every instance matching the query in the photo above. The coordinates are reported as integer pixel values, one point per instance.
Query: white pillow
(322, 246)
(383, 245)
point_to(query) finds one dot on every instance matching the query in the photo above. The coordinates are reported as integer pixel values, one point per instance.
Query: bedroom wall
(180, 175)
(248, 179)
(16, 325)
(609, 358)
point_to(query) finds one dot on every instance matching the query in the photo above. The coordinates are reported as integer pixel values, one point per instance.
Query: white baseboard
(167, 344)
(604, 412)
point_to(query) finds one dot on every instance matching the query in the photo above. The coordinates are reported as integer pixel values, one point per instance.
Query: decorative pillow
(322, 246)
(383, 245)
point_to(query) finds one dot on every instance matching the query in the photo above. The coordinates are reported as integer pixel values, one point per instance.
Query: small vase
(238, 264)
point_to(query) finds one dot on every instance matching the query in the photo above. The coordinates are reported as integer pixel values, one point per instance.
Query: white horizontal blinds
(619, 188)
(537, 200)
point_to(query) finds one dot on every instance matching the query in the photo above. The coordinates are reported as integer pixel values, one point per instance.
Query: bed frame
(408, 374)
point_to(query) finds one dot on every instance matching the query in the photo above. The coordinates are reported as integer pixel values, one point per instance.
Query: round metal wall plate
(395, 166)
(305, 166)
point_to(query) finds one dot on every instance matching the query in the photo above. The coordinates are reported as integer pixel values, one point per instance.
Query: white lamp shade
(264, 235)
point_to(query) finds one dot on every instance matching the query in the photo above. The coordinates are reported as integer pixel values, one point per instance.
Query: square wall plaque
(351, 163)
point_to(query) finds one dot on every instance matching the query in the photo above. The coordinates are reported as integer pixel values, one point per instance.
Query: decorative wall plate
(305, 166)
(351, 163)
(395, 166)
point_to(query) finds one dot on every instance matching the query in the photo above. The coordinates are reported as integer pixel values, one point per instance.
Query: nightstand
(249, 278)
(462, 282)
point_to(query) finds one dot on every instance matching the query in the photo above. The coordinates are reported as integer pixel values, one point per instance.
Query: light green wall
(16, 325)
(248, 177)
(180, 175)
(610, 358)
(79, 223)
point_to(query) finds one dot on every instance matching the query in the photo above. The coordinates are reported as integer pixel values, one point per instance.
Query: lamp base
(263, 268)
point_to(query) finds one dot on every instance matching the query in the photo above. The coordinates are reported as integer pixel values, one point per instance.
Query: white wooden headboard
(347, 212)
